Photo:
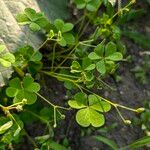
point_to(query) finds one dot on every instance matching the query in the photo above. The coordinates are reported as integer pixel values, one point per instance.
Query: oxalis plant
(81, 55)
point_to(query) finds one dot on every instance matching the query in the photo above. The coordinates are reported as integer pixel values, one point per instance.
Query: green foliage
(80, 64)
(138, 144)
(65, 37)
(5, 127)
(36, 21)
(6, 58)
(89, 109)
(11, 130)
(107, 141)
(106, 56)
(27, 57)
(25, 89)
(88, 4)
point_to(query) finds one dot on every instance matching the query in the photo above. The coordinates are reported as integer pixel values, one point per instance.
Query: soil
(129, 92)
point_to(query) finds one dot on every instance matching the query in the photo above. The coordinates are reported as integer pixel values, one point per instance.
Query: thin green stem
(120, 10)
(67, 56)
(42, 44)
(53, 58)
(55, 119)
(123, 119)
(89, 45)
(131, 109)
(45, 100)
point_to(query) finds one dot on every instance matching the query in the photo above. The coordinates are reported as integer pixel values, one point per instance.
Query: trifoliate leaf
(25, 89)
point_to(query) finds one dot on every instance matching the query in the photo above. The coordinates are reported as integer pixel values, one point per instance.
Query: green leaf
(99, 49)
(9, 137)
(75, 67)
(110, 49)
(2, 48)
(9, 57)
(100, 66)
(93, 56)
(22, 19)
(67, 27)
(75, 104)
(34, 27)
(88, 116)
(97, 104)
(42, 22)
(88, 76)
(101, 106)
(90, 67)
(80, 4)
(11, 92)
(17, 131)
(36, 56)
(62, 42)
(91, 7)
(25, 89)
(16, 83)
(30, 13)
(6, 59)
(27, 56)
(138, 144)
(117, 56)
(56, 146)
(69, 38)
(5, 63)
(81, 97)
(59, 24)
(107, 141)
(5, 127)
(69, 85)
(34, 87)
(23, 94)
